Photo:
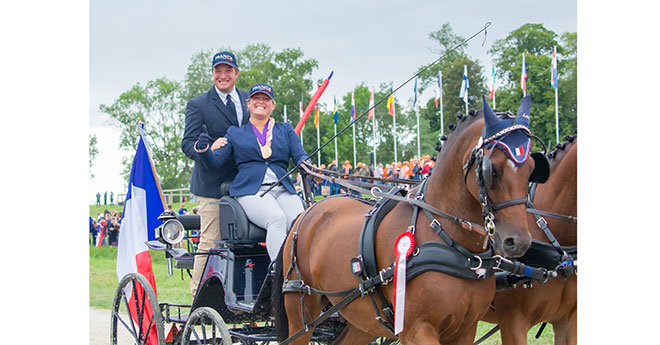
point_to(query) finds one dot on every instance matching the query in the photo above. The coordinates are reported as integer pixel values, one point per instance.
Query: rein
(417, 201)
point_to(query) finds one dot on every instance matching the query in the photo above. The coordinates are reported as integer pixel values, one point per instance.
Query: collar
(223, 95)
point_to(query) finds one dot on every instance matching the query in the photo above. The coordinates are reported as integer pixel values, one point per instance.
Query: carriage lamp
(171, 232)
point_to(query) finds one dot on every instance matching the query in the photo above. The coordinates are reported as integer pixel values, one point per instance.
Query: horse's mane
(455, 130)
(562, 148)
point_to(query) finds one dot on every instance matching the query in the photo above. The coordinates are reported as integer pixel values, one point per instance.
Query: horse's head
(497, 172)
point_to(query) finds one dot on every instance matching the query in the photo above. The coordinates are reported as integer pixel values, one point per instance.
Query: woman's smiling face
(260, 105)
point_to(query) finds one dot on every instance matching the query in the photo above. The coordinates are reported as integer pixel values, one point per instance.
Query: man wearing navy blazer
(217, 109)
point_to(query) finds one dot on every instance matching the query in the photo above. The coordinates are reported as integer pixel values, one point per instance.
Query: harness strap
(487, 335)
(543, 224)
(565, 218)
(354, 293)
(509, 203)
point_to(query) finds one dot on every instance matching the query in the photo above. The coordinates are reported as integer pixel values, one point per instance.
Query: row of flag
(463, 94)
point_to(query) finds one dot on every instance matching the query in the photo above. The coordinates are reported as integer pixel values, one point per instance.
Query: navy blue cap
(226, 58)
(263, 88)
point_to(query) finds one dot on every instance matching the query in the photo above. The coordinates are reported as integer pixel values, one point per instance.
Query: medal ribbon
(403, 247)
(266, 138)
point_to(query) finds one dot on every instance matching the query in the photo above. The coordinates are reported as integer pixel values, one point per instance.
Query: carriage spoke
(128, 311)
(201, 322)
(137, 311)
(132, 332)
(196, 336)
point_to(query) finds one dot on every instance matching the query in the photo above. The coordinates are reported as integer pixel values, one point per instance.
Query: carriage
(235, 288)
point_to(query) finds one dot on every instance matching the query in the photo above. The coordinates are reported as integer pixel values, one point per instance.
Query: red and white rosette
(403, 247)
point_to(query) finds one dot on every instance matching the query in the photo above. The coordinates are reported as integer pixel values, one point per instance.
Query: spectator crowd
(413, 169)
(104, 230)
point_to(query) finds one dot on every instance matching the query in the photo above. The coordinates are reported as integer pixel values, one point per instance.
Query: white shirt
(237, 102)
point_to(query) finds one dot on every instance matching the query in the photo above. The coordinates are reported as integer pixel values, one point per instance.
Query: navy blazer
(243, 147)
(210, 110)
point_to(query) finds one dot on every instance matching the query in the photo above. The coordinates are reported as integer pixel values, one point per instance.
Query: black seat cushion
(234, 224)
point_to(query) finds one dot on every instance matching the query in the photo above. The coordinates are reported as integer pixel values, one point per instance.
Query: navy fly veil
(511, 135)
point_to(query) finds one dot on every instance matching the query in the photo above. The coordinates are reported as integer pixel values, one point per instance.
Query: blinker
(487, 171)
(541, 171)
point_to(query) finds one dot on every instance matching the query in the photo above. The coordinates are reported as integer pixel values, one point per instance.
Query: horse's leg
(513, 329)
(566, 331)
(419, 333)
(352, 335)
(312, 309)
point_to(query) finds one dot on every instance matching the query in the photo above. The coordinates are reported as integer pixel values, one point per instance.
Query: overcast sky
(371, 41)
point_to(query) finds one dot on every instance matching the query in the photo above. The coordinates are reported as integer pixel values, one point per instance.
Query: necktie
(232, 108)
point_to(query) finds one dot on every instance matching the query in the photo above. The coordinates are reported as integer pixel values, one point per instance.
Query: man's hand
(202, 143)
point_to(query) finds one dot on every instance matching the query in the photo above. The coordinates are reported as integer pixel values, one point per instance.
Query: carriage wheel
(136, 317)
(205, 326)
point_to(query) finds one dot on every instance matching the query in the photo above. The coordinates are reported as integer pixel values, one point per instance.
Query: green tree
(93, 153)
(567, 70)
(537, 43)
(452, 67)
(162, 109)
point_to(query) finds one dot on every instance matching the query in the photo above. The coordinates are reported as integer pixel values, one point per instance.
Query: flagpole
(494, 106)
(335, 117)
(336, 157)
(557, 112)
(285, 120)
(396, 159)
(442, 123)
(301, 131)
(372, 113)
(373, 123)
(318, 140)
(353, 111)
(555, 85)
(419, 154)
(354, 152)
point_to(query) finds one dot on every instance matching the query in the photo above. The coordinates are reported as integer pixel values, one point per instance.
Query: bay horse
(439, 307)
(555, 302)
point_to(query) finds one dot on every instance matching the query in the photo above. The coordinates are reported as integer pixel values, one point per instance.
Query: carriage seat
(235, 227)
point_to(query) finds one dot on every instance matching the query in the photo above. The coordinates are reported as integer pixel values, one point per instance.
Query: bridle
(484, 176)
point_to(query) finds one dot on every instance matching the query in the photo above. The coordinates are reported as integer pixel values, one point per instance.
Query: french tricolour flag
(99, 235)
(144, 203)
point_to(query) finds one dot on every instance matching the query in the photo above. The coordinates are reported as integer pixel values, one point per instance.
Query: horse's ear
(491, 120)
(524, 111)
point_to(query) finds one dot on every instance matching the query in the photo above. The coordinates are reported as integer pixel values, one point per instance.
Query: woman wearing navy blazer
(261, 150)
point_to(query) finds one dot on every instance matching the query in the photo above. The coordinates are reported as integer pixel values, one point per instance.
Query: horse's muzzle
(512, 246)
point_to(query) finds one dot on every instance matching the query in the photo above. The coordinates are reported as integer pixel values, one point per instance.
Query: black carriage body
(235, 272)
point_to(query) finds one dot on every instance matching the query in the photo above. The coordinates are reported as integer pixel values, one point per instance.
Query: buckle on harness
(382, 278)
(541, 222)
(435, 225)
